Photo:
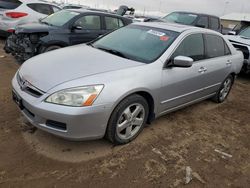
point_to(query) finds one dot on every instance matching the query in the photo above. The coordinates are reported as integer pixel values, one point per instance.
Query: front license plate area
(17, 100)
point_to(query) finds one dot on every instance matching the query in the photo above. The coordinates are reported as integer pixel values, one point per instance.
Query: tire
(127, 120)
(50, 48)
(224, 90)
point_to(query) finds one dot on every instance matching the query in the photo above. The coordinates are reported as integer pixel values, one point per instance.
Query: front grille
(244, 50)
(56, 125)
(28, 88)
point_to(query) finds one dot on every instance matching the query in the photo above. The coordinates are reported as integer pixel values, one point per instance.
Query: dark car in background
(195, 19)
(64, 28)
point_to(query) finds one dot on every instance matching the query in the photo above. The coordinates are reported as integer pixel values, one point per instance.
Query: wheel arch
(52, 43)
(147, 96)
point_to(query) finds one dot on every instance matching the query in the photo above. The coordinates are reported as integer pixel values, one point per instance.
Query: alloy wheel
(130, 121)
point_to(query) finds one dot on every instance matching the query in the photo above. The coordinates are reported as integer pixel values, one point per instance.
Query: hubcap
(130, 121)
(225, 90)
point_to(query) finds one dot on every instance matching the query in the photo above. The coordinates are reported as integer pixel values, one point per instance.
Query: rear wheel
(127, 120)
(224, 90)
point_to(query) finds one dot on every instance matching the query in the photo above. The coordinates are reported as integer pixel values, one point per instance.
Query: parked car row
(114, 85)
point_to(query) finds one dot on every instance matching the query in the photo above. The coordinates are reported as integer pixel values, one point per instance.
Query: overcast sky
(217, 7)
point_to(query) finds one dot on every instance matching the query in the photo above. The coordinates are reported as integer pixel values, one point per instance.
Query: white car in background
(15, 12)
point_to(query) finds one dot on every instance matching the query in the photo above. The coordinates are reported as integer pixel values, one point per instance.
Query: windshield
(139, 43)
(59, 18)
(182, 18)
(245, 33)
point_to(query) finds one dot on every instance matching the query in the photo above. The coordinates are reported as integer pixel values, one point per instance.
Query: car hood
(33, 28)
(238, 39)
(53, 68)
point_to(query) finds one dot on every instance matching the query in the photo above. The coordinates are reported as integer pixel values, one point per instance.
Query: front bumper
(73, 123)
(20, 47)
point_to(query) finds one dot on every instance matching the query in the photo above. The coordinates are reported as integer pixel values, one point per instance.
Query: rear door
(218, 62)
(86, 28)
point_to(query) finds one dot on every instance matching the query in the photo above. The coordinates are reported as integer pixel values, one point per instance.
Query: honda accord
(115, 85)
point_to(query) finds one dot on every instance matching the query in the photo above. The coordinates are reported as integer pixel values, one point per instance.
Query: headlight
(81, 96)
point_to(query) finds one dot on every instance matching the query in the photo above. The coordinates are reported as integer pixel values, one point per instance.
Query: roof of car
(197, 13)
(175, 27)
(94, 11)
(168, 26)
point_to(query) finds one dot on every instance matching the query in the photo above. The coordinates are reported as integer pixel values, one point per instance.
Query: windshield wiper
(120, 54)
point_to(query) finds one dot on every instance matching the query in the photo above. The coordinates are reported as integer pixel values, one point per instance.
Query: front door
(86, 29)
(181, 86)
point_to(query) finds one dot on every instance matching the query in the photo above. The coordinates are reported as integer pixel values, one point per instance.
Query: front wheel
(50, 48)
(224, 90)
(127, 120)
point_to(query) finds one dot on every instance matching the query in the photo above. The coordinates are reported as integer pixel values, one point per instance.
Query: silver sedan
(115, 85)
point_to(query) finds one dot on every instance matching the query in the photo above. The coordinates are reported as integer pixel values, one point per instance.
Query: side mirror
(232, 33)
(183, 61)
(77, 27)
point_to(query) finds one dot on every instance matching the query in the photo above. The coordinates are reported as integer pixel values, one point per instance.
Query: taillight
(16, 14)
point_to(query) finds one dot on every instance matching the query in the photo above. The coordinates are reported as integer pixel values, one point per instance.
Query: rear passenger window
(192, 46)
(214, 23)
(89, 22)
(215, 46)
(41, 8)
(227, 50)
(9, 4)
(113, 23)
(203, 21)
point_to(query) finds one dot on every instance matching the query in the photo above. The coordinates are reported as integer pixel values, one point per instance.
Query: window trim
(226, 46)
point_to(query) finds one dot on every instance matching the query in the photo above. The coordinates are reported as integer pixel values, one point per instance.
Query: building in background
(230, 21)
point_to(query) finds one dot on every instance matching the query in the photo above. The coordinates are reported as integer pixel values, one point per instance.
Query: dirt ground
(157, 158)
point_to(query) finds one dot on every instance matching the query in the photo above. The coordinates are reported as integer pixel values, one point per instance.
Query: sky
(162, 7)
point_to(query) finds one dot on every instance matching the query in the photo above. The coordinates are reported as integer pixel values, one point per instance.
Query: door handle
(229, 62)
(202, 70)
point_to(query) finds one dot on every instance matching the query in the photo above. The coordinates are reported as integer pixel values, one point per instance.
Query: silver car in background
(115, 85)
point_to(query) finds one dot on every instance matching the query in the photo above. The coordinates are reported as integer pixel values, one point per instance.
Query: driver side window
(192, 46)
(89, 22)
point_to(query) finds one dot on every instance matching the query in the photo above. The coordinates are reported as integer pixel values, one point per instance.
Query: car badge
(24, 84)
